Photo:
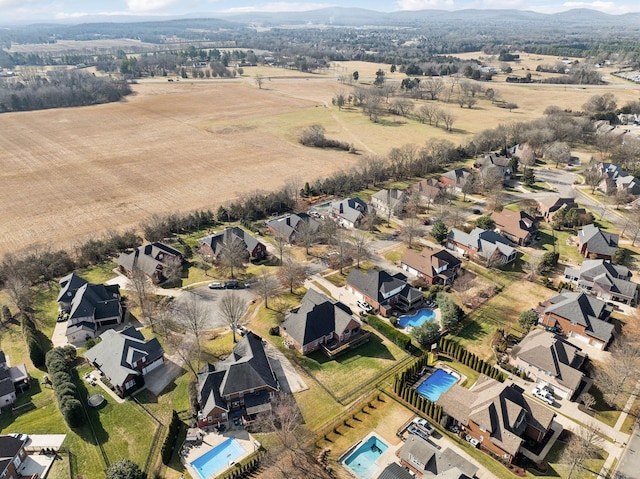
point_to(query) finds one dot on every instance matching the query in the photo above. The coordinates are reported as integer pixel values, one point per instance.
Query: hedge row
(460, 354)
(170, 440)
(58, 362)
(397, 337)
(29, 332)
(409, 394)
(244, 470)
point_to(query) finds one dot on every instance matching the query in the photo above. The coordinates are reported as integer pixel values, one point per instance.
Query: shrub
(274, 331)
(170, 440)
(58, 361)
(395, 336)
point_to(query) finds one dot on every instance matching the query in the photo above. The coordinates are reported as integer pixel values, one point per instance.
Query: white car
(544, 395)
(364, 305)
(424, 424)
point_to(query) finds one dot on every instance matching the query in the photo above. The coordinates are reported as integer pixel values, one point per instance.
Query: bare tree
(433, 87)
(187, 349)
(593, 177)
(142, 295)
(20, 292)
(534, 263)
(618, 375)
(361, 242)
(588, 400)
(402, 106)
(427, 112)
(411, 229)
(558, 152)
(584, 444)
(464, 285)
(447, 118)
(292, 274)
(191, 317)
(266, 286)
(233, 308)
(306, 234)
(259, 79)
(232, 257)
(281, 244)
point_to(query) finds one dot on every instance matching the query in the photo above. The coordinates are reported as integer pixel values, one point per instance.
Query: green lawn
(568, 252)
(590, 470)
(99, 273)
(346, 374)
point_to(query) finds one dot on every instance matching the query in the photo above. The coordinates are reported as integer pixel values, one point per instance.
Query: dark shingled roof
(428, 260)
(434, 461)
(580, 308)
(287, 226)
(598, 241)
(217, 240)
(118, 352)
(395, 471)
(375, 283)
(317, 317)
(9, 448)
(148, 257)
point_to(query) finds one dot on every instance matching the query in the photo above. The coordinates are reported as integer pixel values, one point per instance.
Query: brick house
(579, 316)
(349, 212)
(213, 244)
(455, 178)
(287, 226)
(153, 259)
(596, 244)
(12, 456)
(431, 265)
(604, 280)
(383, 291)
(498, 416)
(517, 226)
(240, 386)
(486, 245)
(424, 460)
(389, 201)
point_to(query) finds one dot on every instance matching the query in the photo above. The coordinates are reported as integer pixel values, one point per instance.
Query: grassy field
(101, 155)
(501, 311)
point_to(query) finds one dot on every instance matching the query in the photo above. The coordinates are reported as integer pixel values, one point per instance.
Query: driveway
(289, 379)
(209, 301)
(157, 380)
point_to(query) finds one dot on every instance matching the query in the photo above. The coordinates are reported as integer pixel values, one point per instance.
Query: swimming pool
(217, 458)
(418, 319)
(362, 461)
(436, 384)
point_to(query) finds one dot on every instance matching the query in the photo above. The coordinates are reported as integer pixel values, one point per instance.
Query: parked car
(424, 424)
(544, 395)
(364, 305)
(215, 285)
(476, 211)
(418, 432)
(233, 284)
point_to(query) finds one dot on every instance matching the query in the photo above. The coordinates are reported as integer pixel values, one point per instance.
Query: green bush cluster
(246, 469)
(460, 354)
(395, 336)
(58, 362)
(29, 332)
(170, 440)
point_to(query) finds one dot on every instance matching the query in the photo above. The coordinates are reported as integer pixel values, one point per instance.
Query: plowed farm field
(70, 174)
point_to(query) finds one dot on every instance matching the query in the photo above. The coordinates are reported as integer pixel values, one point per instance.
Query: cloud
(148, 5)
(280, 7)
(426, 4)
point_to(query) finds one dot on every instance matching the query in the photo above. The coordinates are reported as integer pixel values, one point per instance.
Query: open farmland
(67, 174)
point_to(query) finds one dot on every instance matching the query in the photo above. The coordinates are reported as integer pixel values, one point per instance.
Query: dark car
(232, 285)
(476, 211)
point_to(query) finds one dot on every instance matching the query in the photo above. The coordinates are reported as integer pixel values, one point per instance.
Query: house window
(223, 415)
(129, 384)
(16, 462)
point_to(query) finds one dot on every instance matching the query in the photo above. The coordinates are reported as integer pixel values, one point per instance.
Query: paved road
(629, 464)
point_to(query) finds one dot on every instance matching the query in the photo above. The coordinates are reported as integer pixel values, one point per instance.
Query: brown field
(68, 174)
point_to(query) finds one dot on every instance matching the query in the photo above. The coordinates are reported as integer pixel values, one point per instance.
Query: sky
(57, 10)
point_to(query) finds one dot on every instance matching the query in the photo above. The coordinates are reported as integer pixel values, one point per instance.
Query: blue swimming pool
(418, 319)
(362, 461)
(218, 458)
(436, 384)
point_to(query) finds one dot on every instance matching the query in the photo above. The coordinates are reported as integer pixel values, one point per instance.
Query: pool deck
(386, 458)
(436, 319)
(192, 451)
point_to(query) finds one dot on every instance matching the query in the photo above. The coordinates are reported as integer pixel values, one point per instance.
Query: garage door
(580, 337)
(153, 366)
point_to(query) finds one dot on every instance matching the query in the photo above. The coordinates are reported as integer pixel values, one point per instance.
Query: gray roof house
(287, 226)
(604, 280)
(455, 178)
(616, 178)
(581, 317)
(395, 471)
(89, 307)
(388, 201)
(12, 380)
(383, 291)
(549, 205)
(152, 259)
(499, 163)
(243, 384)
(595, 243)
(124, 357)
(213, 244)
(550, 360)
(424, 460)
(318, 323)
(485, 244)
(349, 212)
(12, 456)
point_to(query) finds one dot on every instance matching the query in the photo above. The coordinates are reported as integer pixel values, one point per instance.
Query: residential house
(494, 164)
(240, 386)
(212, 245)
(125, 357)
(485, 245)
(12, 380)
(455, 179)
(596, 244)
(287, 227)
(430, 190)
(348, 213)
(517, 226)
(389, 201)
(551, 361)
(322, 323)
(579, 316)
(395, 471)
(522, 151)
(154, 259)
(424, 460)
(614, 178)
(549, 206)
(431, 265)
(499, 416)
(383, 291)
(604, 280)
(12, 455)
(88, 306)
